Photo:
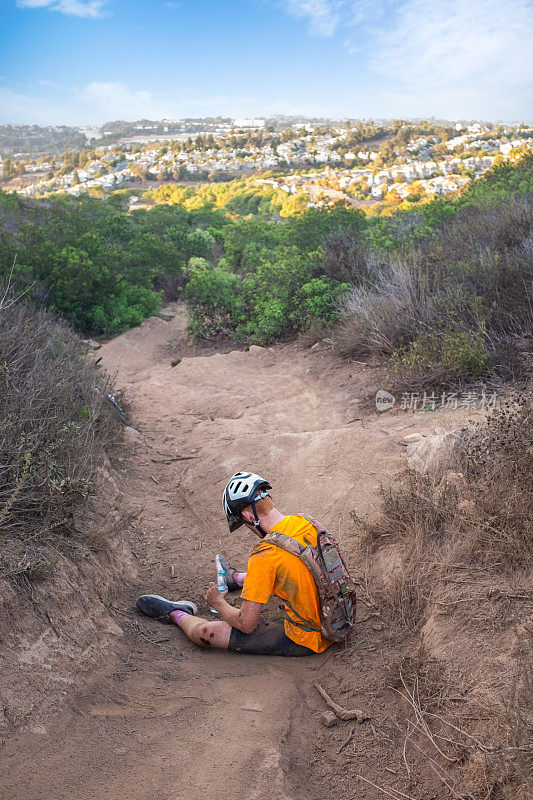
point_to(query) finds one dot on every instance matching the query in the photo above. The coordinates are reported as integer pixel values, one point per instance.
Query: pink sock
(177, 616)
(239, 577)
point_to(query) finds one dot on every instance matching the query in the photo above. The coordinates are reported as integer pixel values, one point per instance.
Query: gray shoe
(157, 607)
(229, 572)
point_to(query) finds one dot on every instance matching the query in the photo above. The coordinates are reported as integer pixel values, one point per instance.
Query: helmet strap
(256, 523)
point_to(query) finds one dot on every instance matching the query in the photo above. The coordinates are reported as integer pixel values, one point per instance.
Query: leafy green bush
(211, 295)
(276, 299)
(446, 265)
(95, 263)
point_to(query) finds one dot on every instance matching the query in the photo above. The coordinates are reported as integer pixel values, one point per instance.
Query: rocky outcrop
(431, 454)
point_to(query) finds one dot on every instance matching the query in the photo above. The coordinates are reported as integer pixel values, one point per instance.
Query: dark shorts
(268, 639)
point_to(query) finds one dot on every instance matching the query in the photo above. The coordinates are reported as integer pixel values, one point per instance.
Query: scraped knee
(207, 633)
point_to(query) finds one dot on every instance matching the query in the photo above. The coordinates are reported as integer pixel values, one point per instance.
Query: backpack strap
(285, 542)
(290, 545)
(304, 624)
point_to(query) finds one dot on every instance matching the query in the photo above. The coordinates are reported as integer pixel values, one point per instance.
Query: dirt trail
(164, 720)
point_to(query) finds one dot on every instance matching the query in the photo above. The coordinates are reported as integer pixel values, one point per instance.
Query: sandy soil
(163, 719)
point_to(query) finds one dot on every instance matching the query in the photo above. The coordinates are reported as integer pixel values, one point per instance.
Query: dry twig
(388, 792)
(346, 741)
(341, 712)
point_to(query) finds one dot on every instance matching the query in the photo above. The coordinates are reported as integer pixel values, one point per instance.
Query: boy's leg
(203, 632)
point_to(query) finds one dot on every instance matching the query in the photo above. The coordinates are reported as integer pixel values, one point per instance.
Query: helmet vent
(245, 488)
(236, 487)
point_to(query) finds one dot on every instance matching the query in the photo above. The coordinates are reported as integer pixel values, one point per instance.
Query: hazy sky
(80, 61)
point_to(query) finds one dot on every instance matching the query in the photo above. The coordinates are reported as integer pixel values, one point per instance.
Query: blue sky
(83, 61)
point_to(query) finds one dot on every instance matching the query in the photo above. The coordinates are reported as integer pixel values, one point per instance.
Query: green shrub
(98, 265)
(211, 295)
(270, 321)
(442, 358)
(448, 265)
(320, 300)
(277, 298)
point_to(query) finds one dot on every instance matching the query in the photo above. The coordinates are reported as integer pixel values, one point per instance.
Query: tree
(439, 150)
(8, 168)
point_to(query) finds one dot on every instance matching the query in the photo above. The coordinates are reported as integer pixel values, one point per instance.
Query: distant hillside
(37, 140)
(54, 139)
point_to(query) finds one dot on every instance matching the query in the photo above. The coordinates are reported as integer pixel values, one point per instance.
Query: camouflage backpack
(336, 590)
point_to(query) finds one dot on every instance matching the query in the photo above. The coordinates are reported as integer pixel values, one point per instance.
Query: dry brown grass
(481, 748)
(508, 771)
(498, 463)
(378, 317)
(475, 512)
(54, 426)
(456, 306)
(466, 545)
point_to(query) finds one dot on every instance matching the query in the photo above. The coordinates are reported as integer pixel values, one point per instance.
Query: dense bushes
(445, 291)
(54, 424)
(106, 270)
(442, 358)
(457, 305)
(272, 282)
(94, 262)
(276, 299)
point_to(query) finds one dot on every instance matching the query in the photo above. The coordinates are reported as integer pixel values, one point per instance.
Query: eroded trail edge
(162, 719)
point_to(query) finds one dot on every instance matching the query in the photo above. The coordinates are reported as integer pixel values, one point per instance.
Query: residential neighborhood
(360, 163)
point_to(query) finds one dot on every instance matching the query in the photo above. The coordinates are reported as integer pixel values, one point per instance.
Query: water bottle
(222, 584)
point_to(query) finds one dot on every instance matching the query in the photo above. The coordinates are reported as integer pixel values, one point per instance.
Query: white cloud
(114, 99)
(99, 102)
(322, 16)
(96, 102)
(74, 8)
(452, 54)
(22, 109)
(444, 57)
(452, 39)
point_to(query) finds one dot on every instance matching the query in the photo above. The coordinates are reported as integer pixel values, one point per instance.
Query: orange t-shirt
(272, 570)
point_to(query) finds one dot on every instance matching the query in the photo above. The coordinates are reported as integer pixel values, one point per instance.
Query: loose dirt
(161, 719)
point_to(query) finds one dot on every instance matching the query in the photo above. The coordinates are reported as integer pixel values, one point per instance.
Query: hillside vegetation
(459, 535)
(443, 290)
(441, 294)
(55, 422)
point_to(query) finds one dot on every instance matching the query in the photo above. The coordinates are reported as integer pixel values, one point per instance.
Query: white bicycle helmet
(243, 489)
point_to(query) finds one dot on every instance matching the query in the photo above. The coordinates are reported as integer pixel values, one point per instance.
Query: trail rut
(163, 719)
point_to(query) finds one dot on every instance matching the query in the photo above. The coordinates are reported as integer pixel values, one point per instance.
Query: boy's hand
(213, 597)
